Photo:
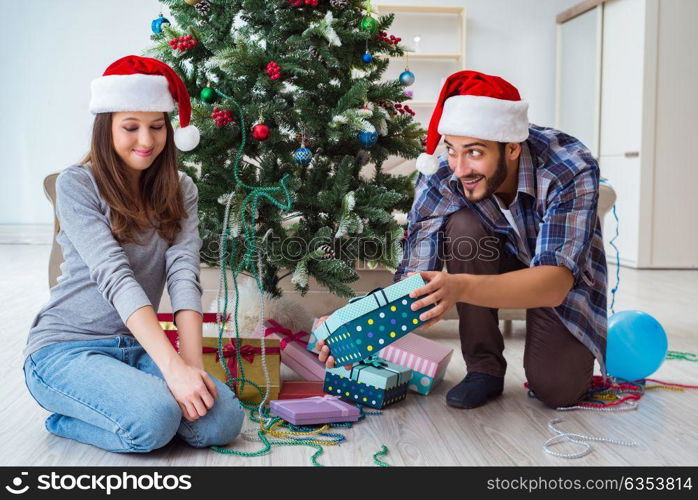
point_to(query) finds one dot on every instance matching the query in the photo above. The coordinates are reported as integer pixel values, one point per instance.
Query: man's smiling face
(479, 165)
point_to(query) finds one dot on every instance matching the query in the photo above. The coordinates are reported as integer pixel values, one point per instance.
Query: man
(512, 210)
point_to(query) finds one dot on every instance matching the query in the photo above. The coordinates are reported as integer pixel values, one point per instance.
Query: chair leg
(507, 331)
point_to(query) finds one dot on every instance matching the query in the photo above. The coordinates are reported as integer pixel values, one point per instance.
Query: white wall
(53, 50)
(513, 39)
(57, 47)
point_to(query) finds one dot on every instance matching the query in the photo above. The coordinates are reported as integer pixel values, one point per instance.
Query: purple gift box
(315, 410)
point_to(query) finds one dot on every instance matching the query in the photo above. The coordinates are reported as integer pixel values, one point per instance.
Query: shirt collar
(527, 172)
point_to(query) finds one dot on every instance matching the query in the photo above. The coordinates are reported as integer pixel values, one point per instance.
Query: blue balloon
(636, 346)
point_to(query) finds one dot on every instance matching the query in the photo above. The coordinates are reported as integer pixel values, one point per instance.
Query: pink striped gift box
(427, 359)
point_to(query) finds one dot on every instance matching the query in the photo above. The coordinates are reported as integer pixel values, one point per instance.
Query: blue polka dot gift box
(368, 324)
(372, 382)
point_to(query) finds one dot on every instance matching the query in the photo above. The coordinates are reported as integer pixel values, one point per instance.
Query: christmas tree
(306, 75)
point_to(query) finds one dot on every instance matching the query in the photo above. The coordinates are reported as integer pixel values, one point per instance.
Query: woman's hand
(192, 388)
(195, 362)
(442, 289)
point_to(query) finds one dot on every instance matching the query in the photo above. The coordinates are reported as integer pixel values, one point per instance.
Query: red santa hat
(135, 83)
(473, 104)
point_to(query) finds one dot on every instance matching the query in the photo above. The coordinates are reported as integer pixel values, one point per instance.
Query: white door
(578, 77)
(621, 77)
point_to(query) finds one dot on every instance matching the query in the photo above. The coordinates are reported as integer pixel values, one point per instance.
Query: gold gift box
(251, 358)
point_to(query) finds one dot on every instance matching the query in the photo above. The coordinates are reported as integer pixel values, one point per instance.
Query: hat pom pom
(427, 164)
(187, 138)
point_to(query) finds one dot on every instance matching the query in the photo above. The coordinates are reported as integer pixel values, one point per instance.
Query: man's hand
(324, 355)
(192, 388)
(442, 289)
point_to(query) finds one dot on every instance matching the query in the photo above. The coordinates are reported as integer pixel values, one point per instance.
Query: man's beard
(491, 183)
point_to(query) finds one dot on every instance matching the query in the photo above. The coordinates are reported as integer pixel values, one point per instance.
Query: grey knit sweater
(103, 282)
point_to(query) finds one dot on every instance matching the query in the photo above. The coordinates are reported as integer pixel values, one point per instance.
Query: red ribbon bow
(289, 336)
(206, 318)
(247, 352)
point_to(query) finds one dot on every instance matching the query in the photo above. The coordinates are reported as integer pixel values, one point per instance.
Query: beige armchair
(56, 258)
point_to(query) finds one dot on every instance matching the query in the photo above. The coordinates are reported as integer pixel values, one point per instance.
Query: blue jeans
(109, 393)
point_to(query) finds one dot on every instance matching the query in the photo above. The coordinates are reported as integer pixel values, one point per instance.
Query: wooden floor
(419, 431)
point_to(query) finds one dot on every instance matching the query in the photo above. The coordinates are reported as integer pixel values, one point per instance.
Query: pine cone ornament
(203, 7)
(388, 106)
(315, 53)
(339, 4)
(362, 158)
(327, 252)
(305, 140)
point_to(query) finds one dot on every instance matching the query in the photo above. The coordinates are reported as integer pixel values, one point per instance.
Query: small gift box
(427, 359)
(294, 353)
(367, 324)
(297, 389)
(315, 410)
(252, 365)
(250, 351)
(372, 382)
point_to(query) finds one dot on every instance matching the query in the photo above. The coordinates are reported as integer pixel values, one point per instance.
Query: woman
(96, 356)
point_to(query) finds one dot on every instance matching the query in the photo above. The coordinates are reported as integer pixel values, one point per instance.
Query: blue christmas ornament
(156, 25)
(367, 57)
(406, 78)
(368, 139)
(303, 156)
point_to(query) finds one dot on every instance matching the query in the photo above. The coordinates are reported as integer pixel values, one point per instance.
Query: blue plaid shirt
(555, 212)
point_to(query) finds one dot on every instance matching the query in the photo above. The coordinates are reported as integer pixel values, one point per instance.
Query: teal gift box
(372, 382)
(368, 324)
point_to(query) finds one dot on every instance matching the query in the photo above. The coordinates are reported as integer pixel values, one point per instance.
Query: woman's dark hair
(160, 203)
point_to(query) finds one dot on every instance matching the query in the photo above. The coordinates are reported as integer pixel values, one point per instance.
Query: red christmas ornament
(260, 132)
(183, 43)
(298, 3)
(222, 117)
(273, 70)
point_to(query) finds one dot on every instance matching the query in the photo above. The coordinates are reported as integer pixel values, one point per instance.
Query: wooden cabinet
(434, 36)
(643, 58)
